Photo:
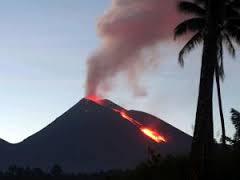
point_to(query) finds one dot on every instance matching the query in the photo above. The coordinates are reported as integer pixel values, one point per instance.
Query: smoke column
(128, 31)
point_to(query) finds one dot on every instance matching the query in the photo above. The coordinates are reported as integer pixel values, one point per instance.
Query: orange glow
(95, 99)
(127, 117)
(153, 135)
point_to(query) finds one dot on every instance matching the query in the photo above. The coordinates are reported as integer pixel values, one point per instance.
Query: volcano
(95, 135)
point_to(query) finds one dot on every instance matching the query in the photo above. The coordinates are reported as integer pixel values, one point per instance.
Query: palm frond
(224, 39)
(233, 31)
(191, 8)
(190, 25)
(235, 116)
(235, 4)
(204, 2)
(191, 44)
(232, 11)
(228, 42)
(220, 66)
(234, 21)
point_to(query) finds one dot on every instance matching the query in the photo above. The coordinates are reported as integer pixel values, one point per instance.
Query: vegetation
(215, 23)
(158, 167)
(236, 122)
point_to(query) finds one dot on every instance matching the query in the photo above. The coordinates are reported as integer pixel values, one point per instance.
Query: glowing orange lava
(95, 99)
(154, 135)
(127, 117)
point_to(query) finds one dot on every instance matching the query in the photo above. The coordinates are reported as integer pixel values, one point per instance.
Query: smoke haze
(130, 31)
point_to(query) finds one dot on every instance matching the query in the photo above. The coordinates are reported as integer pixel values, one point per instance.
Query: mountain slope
(89, 137)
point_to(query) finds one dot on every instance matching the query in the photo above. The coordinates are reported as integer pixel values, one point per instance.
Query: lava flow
(152, 134)
(96, 99)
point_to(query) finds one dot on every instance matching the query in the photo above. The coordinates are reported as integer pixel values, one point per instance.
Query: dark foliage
(157, 167)
(236, 123)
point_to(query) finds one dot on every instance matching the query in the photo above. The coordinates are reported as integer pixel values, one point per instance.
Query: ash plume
(129, 31)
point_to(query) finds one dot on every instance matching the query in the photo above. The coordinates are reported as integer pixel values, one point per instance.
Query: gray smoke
(128, 32)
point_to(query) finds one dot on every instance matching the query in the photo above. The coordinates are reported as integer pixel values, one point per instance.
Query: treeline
(157, 167)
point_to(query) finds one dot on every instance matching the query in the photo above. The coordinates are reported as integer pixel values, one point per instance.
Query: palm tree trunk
(220, 107)
(202, 144)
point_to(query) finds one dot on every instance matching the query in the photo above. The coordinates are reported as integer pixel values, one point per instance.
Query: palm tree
(215, 22)
(226, 36)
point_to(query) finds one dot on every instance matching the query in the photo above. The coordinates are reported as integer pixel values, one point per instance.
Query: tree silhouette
(230, 21)
(236, 122)
(214, 23)
(56, 170)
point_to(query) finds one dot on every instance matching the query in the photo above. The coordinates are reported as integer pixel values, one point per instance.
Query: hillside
(89, 137)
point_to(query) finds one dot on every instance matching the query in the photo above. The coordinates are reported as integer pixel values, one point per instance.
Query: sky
(44, 47)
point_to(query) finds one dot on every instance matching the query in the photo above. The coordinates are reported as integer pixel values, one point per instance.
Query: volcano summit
(94, 136)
